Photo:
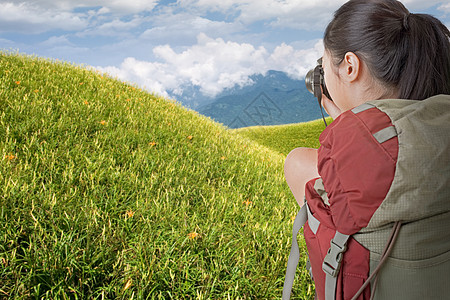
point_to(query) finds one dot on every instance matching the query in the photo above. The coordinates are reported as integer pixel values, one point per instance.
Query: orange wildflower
(193, 235)
(292, 219)
(103, 122)
(247, 202)
(130, 213)
(190, 137)
(152, 143)
(223, 158)
(18, 82)
(10, 156)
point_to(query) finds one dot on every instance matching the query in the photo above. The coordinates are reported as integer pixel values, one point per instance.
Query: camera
(315, 81)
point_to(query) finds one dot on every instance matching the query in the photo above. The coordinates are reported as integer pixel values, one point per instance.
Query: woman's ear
(350, 67)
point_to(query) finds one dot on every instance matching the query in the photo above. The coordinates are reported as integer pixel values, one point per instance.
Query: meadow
(110, 192)
(284, 138)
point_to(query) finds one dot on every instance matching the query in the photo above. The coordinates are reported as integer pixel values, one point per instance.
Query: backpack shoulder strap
(294, 255)
(303, 215)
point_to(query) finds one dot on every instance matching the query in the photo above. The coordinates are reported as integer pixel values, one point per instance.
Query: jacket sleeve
(356, 169)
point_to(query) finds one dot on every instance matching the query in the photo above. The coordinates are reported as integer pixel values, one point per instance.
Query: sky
(165, 45)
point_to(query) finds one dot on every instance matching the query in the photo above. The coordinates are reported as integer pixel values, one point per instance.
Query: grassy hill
(284, 138)
(107, 191)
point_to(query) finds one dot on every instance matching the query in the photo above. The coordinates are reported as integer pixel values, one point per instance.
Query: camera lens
(309, 81)
(314, 79)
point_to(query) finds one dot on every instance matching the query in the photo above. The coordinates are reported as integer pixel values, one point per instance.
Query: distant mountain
(273, 99)
(191, 96)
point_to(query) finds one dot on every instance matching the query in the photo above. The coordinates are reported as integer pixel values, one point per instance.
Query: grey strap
(385, 134)
(332, 263)
(362, 108)
(294, 256)
(303, 215)
(320, 189)
(313, 223)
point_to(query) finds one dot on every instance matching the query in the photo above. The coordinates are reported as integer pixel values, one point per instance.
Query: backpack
(377, 222)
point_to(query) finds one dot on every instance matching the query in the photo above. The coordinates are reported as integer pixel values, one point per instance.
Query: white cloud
(114, 27)
(298, 14)
(39, 16)
(445, 8)
(57, 41)
(115, 6)
(213, 65)
(184, 27)
(212, 5)
(103, 17)
(26, 18)
(123, 6)
(151, 75)
(296, 63)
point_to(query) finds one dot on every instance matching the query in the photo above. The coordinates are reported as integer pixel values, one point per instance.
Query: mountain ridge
(272, 99)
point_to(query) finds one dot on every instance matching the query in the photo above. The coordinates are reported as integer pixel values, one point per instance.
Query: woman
(377, 50)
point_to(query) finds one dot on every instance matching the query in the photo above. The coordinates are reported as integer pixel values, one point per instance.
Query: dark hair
(407, 52)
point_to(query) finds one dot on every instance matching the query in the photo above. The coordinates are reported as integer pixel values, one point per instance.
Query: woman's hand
(330, 107)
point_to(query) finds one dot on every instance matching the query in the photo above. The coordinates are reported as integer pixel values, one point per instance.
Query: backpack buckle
(333, 259)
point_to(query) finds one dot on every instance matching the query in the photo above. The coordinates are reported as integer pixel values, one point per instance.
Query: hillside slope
(108, 191)
(284, 138)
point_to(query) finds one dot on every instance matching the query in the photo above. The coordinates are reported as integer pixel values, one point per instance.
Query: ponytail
(427, 65)
(409, 53)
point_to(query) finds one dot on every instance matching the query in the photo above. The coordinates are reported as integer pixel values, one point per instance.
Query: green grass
(284, 138)
(107, 191)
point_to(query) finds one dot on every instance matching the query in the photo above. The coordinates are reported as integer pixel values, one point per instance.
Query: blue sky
(166, 45)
